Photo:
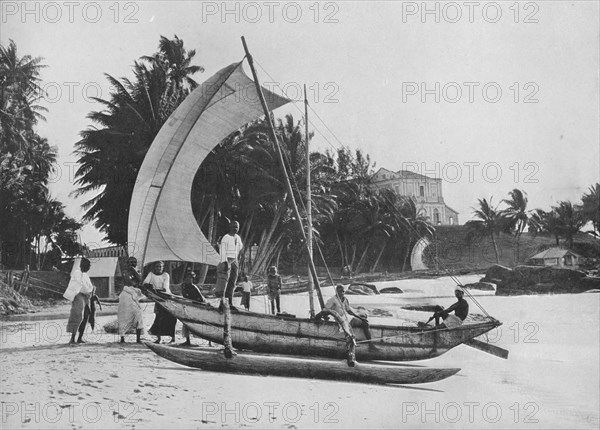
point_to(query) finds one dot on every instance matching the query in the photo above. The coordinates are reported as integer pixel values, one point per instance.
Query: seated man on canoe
(460, 309)
(340, 308)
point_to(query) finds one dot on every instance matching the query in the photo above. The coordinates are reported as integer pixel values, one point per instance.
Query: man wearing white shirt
(230, 248)
(79, 292)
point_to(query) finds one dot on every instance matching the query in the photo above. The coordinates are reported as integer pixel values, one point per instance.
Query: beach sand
(551, 380)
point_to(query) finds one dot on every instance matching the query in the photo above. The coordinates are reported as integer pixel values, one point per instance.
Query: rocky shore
(539, 280)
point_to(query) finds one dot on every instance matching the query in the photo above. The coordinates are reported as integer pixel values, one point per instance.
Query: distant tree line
(562, 221)
(34, 229)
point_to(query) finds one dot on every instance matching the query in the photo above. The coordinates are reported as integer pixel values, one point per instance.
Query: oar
(486, 347)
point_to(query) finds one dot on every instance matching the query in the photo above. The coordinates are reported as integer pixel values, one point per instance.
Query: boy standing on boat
(246, 291)
(274, 285)
(230, 248)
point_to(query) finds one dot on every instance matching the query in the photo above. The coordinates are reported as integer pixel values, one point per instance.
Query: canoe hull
(297, 336)
(301, 367)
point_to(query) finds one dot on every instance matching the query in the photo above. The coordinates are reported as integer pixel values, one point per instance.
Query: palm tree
(545, 222)
(516, 214)
(19, 91)
(489, 222)
(591, 207)
(110, 155)
(570, 221)
(416, 225)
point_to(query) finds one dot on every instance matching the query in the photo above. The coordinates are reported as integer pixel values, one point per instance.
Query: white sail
(161, 223)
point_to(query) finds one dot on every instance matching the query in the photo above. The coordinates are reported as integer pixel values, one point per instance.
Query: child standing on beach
(274, 285)
(246, 291)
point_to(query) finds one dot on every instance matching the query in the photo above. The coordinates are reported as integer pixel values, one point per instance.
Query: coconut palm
(489, 222)
(416, 225)
(516, 214)
(570, 221)
(591, 207)
(545, 222)
(111, 153)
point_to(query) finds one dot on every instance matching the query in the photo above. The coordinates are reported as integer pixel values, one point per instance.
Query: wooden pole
(281, 160)
(309, 240)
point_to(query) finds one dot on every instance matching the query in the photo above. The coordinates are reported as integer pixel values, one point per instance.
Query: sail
(161, 222)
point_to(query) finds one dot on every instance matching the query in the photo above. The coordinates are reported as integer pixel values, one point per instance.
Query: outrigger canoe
(301, 336)
(301, 367)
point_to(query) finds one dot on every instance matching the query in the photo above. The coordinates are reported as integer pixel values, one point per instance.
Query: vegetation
(111, 153)
(30, 219)
(563, 221)
(241, 178)
(354, 224)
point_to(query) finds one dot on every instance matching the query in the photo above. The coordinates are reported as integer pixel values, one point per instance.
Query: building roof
(109, 251)
(456, 212)
(552, 253)
(403, 174)
(101, 267)
(407, 174)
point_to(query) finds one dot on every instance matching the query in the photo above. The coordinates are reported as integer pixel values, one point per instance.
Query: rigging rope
(458, 283)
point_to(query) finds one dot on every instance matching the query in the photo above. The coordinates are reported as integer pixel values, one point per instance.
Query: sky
(488, 96)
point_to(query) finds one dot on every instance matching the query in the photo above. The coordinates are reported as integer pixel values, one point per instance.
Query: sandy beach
(551, 380)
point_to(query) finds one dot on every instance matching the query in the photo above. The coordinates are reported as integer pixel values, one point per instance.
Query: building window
(422, 191)
(451, 220)
(436, 217)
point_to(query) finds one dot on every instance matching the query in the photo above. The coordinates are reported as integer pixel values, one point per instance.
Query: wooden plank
(486, 347)
(300, 367)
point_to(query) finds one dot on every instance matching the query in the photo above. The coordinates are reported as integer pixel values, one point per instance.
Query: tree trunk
(495, 248)
(378, 257)
(362, 257)
(406, 252)
(342, 256)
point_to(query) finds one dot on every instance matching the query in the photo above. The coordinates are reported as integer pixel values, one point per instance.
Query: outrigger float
(218, 107)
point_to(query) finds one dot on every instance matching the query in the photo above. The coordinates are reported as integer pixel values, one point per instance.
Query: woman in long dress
(130, 309)
(164, 322)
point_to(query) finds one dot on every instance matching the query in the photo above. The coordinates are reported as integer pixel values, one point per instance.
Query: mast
(311, 295)
(311, 264)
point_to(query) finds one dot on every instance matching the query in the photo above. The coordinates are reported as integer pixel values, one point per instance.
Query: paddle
(486, 347)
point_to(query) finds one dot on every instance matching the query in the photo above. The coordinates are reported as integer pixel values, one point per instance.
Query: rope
(292, 176)
(458, 283)
(299, 110)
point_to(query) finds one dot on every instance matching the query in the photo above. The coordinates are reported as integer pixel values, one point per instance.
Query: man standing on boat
(460, 309)
(340, 308)
(230, 248)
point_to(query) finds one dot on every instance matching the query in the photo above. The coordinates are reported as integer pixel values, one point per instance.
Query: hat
(460, 290)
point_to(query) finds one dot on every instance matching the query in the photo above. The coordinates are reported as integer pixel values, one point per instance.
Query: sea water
(551, 378)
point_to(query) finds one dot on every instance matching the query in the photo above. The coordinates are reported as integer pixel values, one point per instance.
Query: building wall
(426, 191)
